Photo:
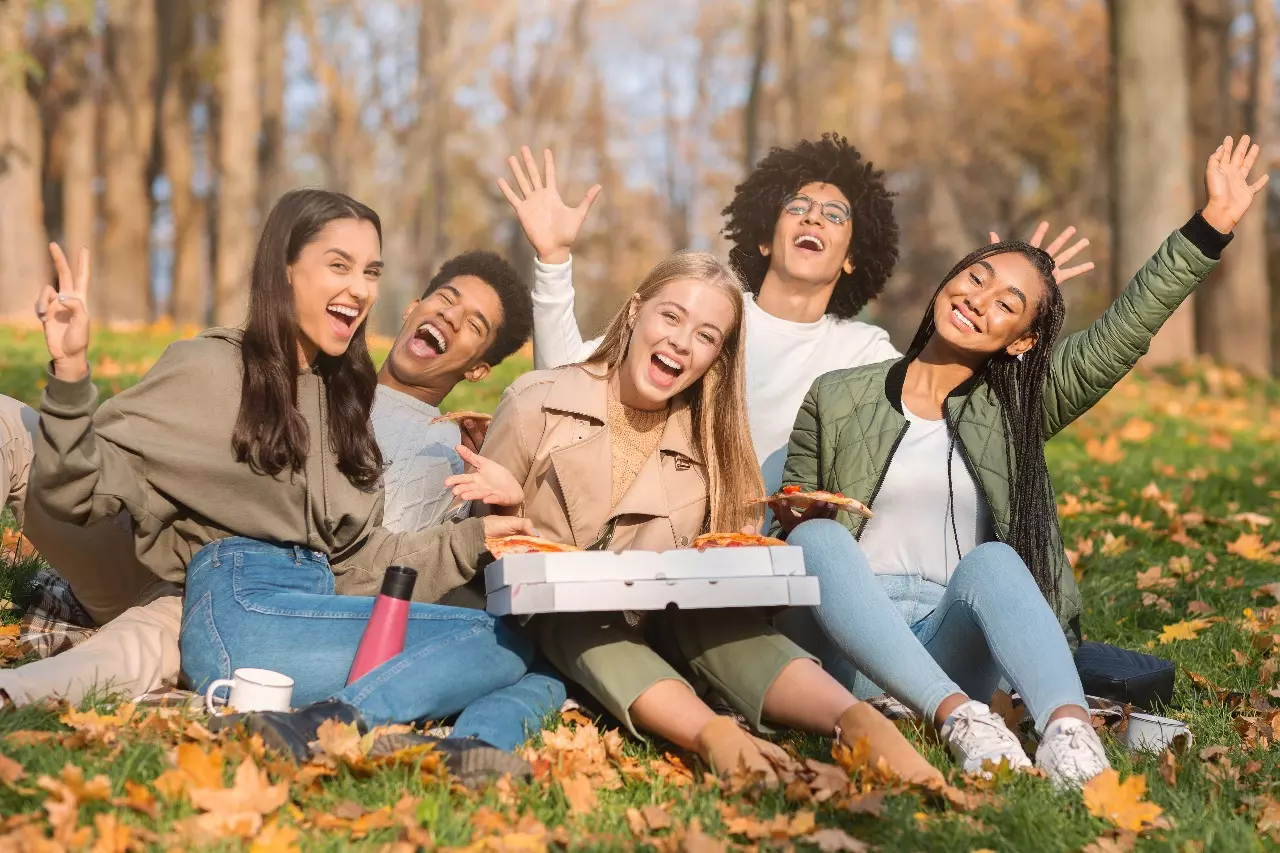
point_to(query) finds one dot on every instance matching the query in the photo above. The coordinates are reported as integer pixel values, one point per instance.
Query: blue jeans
(256, 604)
(922, 641)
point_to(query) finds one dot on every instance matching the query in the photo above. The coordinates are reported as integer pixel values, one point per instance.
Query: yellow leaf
(1186, 630)
(113, 836)
(1249, 546)
(251, 791)
(1107, 452)
(275, 838)
(10, 770)
(1121, 803)
(1113, 545)
(341, 740)
(580, 794)
(1136, 430)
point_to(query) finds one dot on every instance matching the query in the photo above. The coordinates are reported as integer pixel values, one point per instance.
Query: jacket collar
(583, 390)
(897, 375)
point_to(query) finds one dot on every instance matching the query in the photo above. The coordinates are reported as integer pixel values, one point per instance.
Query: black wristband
(1209, 240)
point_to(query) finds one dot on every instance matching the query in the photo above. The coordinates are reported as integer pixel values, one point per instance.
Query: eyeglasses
(836, 212)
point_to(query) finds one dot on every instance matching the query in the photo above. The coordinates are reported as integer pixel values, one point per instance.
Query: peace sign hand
(1057, 252)
(549, 223)
(1226, 178)
(65, 315)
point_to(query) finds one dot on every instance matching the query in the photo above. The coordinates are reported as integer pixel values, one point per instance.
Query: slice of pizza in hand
(459, 417)
(505, 546)
(801, 500)
(734, 540)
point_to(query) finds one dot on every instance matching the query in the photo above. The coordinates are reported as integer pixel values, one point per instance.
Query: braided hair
(1018, 384)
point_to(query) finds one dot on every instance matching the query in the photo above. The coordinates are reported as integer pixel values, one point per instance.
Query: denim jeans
(922, 641)
(256, 604)
(508, 717)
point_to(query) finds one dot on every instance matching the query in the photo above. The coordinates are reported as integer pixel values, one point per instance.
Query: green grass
(1212, 450)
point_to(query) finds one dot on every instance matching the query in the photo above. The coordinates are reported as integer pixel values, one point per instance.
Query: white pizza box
(579, 566)
(685, 593)
(583, 566)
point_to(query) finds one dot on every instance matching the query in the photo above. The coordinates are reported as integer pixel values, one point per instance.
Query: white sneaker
(1071, 753)
(977, 734)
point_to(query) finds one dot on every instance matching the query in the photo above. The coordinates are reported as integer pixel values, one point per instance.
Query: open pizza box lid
(685, 593)
(594, 566)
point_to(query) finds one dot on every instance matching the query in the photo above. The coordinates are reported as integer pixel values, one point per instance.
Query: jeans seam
(204, 610)
(409, 658)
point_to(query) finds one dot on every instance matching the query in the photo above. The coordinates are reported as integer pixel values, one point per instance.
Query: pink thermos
(384, 635)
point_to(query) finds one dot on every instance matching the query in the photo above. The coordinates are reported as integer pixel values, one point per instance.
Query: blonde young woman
(646, 446)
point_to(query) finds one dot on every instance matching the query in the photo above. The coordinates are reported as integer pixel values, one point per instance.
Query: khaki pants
(137, 651)
(736, 651)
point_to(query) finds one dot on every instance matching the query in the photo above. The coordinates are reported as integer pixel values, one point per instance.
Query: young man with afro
(814, 240)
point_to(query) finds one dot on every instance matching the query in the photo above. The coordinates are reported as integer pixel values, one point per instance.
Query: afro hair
(753, 214)
(517, 304)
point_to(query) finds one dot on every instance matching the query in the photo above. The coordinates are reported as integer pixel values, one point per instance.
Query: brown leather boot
(724, 745)
(902, 759)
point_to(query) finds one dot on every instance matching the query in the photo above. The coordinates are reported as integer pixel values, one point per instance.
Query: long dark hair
(271, 434)
(1018, 384)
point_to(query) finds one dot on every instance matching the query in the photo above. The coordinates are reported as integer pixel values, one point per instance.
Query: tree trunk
(870, 70)
(24, 264)
(237, 159)
(1262, 121)
(755, 91)
(1228, 325)
(79, 131)
(124, 276)
(189, 294)
(273, 178)
(1151, 158)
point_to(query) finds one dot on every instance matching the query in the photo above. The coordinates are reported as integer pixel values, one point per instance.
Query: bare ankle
(947, 707)
(1073, 712)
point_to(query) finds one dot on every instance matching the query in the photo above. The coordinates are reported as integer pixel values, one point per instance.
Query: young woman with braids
(960, 578)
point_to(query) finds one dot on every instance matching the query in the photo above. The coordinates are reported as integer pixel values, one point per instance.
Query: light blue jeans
(921, 641)
(257, 604)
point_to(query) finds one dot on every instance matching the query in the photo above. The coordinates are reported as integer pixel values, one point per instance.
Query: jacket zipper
(973, 472)
(883, 472)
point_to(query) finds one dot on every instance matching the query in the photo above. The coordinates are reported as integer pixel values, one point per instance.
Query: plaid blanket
(54, 620)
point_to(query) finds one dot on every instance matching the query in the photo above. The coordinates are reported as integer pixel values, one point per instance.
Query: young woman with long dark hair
(646, 446)
(961, 578)
(248, 463)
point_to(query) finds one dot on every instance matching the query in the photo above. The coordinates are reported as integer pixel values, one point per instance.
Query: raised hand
(1226, 178)
(473, 431)
(549, 223)
(1057, 252)
(64, 312)
(488, 481)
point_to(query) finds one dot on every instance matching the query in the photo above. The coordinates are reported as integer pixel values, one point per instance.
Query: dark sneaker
(290, 731)
(470, 760)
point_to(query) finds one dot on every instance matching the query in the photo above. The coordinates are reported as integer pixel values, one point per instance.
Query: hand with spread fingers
(549, 223)
(486, 481)
(64, 312)
(1057, 251)
(1226, 179)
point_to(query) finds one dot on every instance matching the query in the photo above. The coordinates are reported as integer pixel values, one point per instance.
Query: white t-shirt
(783, 358)
(911, 533)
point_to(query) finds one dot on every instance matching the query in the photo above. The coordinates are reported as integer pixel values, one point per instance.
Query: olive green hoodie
(161, 450)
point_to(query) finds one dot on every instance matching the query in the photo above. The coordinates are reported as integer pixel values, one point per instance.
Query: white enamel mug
(253, 690)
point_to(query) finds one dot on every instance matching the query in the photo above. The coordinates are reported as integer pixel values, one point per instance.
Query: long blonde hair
(717, 400)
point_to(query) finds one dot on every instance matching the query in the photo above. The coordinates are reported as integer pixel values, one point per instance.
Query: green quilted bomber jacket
(851, 421)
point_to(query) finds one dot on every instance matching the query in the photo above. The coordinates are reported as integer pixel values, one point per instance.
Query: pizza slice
(734, 540)
(505, 546)
(459, 417)
(801, 500)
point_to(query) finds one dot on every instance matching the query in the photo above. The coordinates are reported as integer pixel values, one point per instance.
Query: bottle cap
(399, 582)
